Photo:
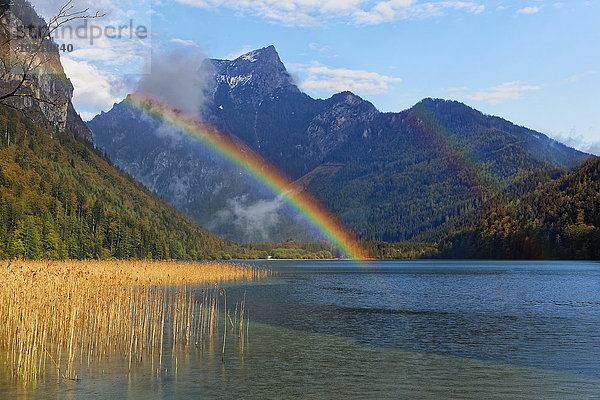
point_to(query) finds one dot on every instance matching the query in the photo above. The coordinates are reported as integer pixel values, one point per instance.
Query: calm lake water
(388, 330)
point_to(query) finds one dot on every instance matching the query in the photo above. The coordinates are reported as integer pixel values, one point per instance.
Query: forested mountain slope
(551, 216)
(387, 176)
(59, 199)
(415, 170)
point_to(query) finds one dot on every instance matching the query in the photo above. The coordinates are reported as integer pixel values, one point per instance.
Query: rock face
(45, 94)
(250, 78)
(256, 99)
(388, 176)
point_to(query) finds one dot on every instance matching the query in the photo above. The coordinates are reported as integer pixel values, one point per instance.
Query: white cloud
(318, 47)
(392, 10)
(240, 52)
(502, 93)
(87, 116)
(256, 221)
(323, 78)
(580, 142)
(529, 10)
(111, 54)
(315, 12)
(184, 42)
(107, 41)
(578, 77)
(94, 90)
(101, 61)
(49, 8)
(178, 78)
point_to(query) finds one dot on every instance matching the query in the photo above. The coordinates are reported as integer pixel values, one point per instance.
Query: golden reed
(67, 314)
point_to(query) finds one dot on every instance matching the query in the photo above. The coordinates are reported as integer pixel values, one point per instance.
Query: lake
(426, 329)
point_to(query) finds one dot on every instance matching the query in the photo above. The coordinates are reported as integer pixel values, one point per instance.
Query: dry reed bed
(69, 314)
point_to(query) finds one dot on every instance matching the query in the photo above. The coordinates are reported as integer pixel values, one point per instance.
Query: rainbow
(243, 156)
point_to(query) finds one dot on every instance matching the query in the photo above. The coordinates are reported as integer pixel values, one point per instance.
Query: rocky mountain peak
(265, 55)
(349, 99)
(258, 74)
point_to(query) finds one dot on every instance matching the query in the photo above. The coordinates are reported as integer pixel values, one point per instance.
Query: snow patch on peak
(234, 81)
(252, 56)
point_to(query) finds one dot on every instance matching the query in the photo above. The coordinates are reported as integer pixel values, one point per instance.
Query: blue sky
(536, 62)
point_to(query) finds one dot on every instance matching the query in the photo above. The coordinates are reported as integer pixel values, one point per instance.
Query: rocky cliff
(32, 73)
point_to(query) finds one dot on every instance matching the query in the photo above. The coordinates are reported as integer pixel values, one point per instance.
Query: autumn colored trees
(59, 199)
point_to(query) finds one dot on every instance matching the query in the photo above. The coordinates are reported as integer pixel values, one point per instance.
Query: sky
(533, 62)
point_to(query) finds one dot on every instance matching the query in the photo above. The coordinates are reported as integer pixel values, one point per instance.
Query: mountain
(388, 176)
(551, 215)
(414, 170)
(255, 98)
(60, 199)
(216, 194)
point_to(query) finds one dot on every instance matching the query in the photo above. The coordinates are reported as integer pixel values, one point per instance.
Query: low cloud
(255, 220)
(323, 78)
(178, 78)
(579, 142)
(502, 93)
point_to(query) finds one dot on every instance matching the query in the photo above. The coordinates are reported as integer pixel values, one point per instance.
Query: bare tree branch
(17, 66)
